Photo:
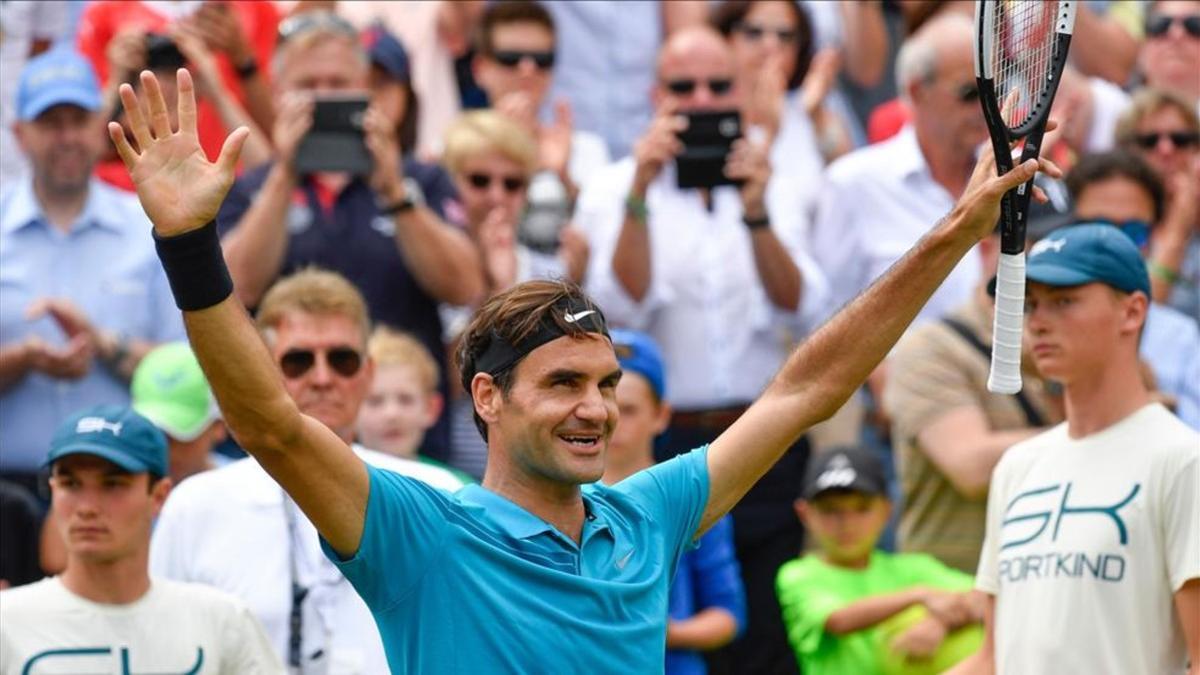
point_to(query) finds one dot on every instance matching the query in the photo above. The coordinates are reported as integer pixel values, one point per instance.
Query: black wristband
(756, 223)
(195, 268)
(403, 206)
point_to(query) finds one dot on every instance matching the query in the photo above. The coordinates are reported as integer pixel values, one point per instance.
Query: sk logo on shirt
(1031, 513)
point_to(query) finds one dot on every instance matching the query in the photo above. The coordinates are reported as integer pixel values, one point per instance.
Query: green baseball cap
(170, 390)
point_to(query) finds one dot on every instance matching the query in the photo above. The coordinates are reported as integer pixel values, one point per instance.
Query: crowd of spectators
(512, 140)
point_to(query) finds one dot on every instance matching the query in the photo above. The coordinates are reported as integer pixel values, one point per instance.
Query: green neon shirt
(810, 590)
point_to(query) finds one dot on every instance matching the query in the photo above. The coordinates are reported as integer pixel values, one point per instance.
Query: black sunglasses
(482, 181)
(755, 32)
(1179, 139)
(1159, 24)
(344, 361)
(683, 87)
(511, 58)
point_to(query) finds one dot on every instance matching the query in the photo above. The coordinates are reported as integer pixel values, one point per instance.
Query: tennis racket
(1020, 50)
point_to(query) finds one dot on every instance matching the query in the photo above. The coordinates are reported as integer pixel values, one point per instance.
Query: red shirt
(102, 19)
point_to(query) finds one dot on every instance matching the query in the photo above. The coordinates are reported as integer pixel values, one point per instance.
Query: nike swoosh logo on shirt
(572, 318)
(624, 560)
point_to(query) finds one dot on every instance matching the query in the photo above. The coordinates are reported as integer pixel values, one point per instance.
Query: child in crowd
(403, 402)
(850, 608)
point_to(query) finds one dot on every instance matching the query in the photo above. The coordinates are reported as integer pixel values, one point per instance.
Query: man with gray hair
(878, 201)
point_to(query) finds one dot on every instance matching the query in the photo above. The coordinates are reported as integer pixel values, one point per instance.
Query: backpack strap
(1032, 415)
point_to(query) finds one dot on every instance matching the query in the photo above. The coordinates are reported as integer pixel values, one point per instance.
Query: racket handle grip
(1009, 324)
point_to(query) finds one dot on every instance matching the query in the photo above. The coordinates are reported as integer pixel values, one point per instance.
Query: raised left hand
(554, 140)
(387, 174)
(748, 163)
(978, 209)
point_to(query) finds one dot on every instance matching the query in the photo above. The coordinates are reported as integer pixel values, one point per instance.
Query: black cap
(851, 469)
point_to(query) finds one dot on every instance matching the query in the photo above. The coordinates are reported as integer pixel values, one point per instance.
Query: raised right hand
(179, 188)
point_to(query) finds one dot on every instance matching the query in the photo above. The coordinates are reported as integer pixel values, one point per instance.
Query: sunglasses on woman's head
(511, 58)
(483, 181)
(685, 86)
(307, 21)
(344, 361)
(1158, 25)
(755, 32)
(1179, 139)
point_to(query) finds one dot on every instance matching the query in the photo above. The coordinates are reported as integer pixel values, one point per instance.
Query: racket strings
(1023, 57)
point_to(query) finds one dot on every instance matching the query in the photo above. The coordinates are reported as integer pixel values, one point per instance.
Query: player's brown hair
(513, 316)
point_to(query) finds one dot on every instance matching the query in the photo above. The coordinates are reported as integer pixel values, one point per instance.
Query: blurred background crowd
(407, 160)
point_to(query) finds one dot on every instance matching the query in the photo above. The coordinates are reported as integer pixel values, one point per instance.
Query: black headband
(501, 355)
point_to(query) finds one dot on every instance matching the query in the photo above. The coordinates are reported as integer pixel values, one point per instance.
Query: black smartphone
(335, 142)
(162, 53)
(707, 142)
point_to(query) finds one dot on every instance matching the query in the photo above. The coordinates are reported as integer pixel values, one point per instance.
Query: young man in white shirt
(1091, 561)
(108, 481)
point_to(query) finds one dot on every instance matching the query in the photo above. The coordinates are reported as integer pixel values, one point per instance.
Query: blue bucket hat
(115, 433)
(638, 353)
(56, 77)
(1082, 254)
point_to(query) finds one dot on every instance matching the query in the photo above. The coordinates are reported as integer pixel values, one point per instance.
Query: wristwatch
(413, 197)
(757, 223)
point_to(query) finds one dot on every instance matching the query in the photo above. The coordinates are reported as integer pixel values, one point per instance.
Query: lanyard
(296, 615)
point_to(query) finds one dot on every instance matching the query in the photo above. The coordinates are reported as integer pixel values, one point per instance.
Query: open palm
(179, 188)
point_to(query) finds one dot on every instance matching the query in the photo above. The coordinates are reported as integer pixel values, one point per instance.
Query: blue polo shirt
(473, 583)
(106, 266)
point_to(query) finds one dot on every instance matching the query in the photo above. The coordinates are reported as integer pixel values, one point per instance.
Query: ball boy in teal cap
(1091, 561)
(108, 481)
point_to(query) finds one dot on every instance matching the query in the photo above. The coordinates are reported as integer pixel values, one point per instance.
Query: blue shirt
(107, 267)
(708, 576)
(473, 583)
(1171, 346)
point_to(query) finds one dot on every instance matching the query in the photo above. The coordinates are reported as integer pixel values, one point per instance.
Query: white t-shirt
(46, 629)
(232, 528)
(1087, 541)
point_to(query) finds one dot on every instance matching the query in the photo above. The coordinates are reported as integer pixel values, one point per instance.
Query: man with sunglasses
(514, 63)
(1120, 189)
(315, 327)
(385, 231)
(1170, 57)
(719, 277)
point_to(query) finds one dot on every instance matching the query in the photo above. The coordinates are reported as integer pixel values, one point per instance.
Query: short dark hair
(726, 16)
(1102, 166)
(512, 316)
(508, 12)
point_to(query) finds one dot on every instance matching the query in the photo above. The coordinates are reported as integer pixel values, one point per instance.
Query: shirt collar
(513, 519)
(905, 158)
(24, 210)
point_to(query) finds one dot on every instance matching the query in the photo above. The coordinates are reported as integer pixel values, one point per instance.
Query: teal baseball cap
(115, 433)
(1086, 253)
(170, 390)
(638, 352)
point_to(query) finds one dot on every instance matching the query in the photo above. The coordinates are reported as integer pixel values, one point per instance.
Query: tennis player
(1091, 560)
(529, 572)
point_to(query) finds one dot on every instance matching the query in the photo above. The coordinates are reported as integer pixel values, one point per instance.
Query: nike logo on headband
(572, 318)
